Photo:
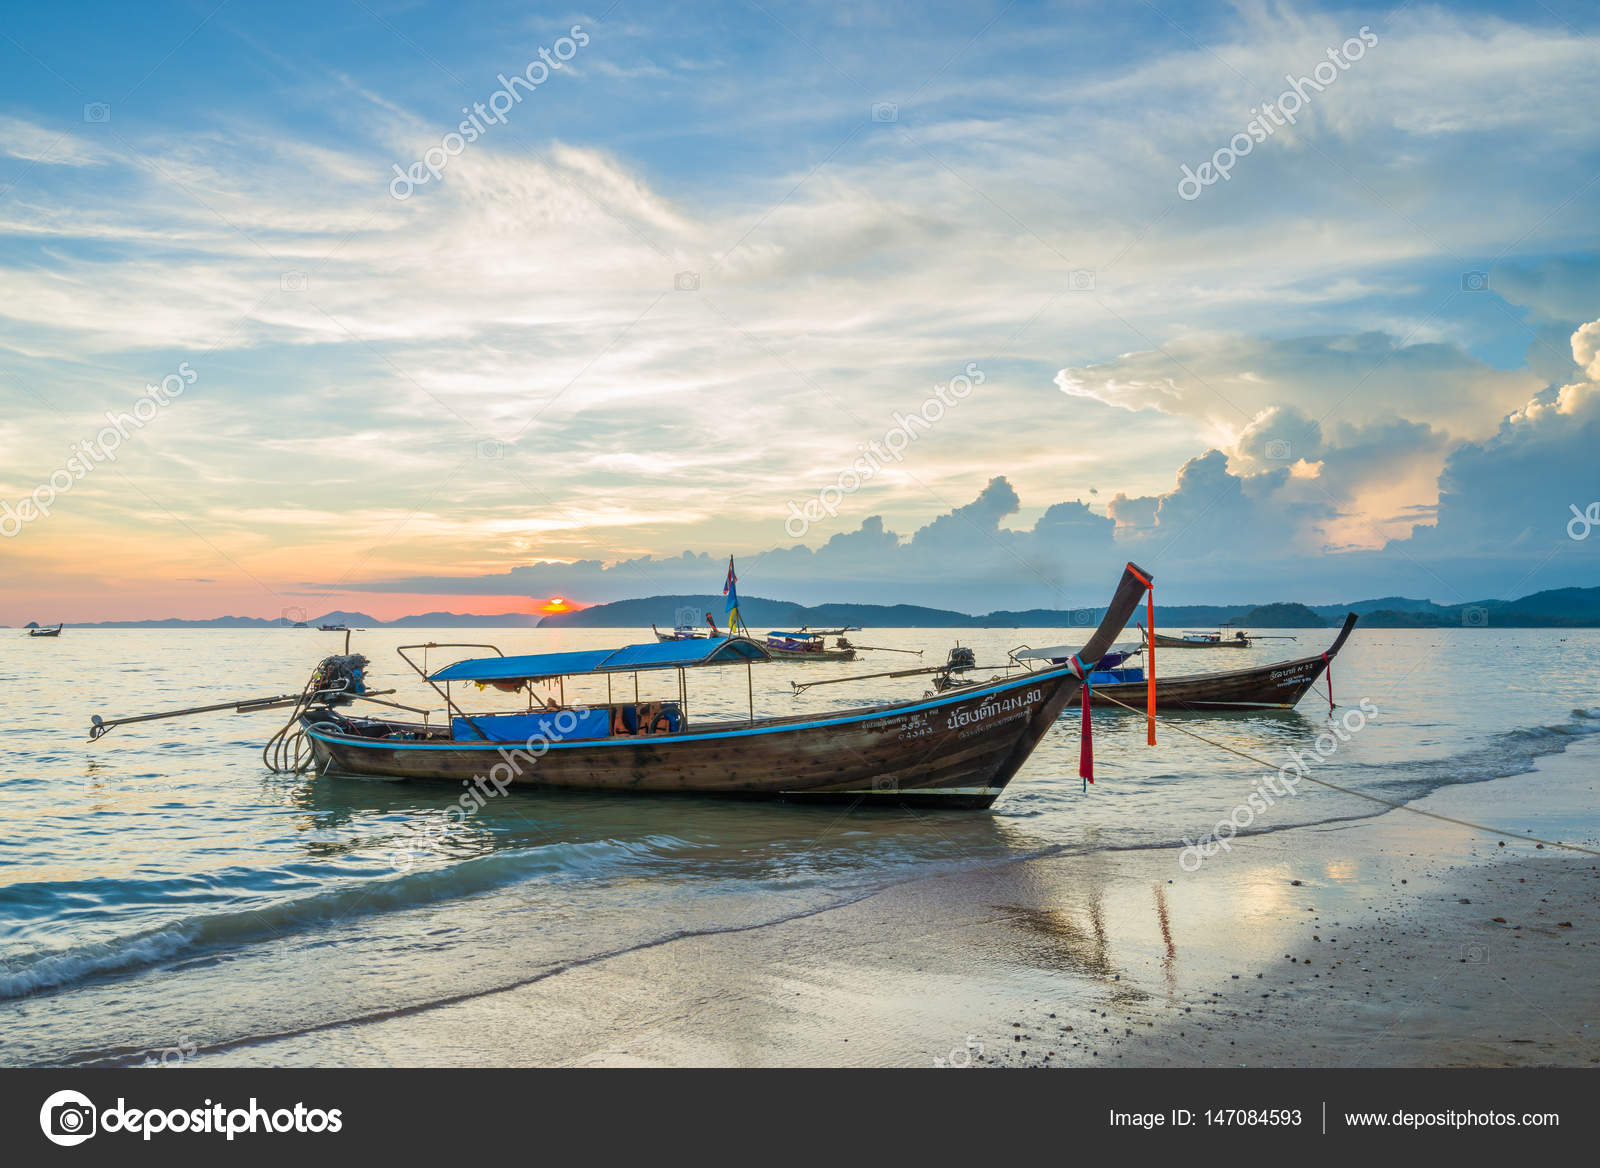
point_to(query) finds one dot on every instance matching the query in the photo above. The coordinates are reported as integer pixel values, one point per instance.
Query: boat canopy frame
(634, 659)
(703, 651)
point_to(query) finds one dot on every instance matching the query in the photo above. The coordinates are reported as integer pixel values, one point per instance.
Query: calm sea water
(161, 890)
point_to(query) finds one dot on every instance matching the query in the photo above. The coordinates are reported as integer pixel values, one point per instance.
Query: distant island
(1556, 608)
(353, 620)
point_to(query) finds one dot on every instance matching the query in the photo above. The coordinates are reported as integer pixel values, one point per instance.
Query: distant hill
(1554, 608)
(1335, 612)
(461, 620)
(1566, 603)
(354, 620)
(220, 622)
(759, 614)
(1559, 608)
(1283, 616)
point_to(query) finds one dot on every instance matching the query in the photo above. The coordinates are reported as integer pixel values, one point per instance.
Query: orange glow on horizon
(559, 604)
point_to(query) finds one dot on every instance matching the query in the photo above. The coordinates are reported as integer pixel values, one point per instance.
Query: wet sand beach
(1393, 940)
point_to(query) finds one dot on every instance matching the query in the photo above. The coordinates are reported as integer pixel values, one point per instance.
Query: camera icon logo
(1081, 280)
(1278, 450)
(98, 112)
(489, 448)
(1475, 618)
(1083, 618)
(293, 616)
(1475, 954)
(885, 783)
(68, 1118)
(885, 111)
(687, 616)
(1474, 281)
(294, 281)
(686, 282)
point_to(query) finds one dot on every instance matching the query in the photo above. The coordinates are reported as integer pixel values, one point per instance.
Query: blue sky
(701, 267)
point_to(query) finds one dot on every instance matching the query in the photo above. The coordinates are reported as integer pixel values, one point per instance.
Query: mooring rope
(1359, 794)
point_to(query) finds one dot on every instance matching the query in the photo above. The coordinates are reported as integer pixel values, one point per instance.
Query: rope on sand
(1358, 794)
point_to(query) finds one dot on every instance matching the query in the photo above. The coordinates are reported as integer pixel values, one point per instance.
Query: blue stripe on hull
(965, 695)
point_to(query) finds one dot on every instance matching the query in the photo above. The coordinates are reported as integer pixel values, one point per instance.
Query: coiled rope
(287, 751)
(1248, 757)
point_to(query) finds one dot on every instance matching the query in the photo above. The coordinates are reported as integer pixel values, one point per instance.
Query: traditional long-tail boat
(1276, 686)
(45, 632)
(1198, 639)
(808, 645)
(957, 749)
(1207, 639)
(689, 632)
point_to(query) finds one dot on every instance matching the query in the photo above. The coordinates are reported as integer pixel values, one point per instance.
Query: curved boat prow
(1350, 619)
(1130, 591)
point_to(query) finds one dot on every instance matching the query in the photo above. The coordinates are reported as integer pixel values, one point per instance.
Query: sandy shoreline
(1367, 943)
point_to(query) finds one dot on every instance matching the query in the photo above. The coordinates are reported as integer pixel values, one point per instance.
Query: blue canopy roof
(654, 655)
(797, 636)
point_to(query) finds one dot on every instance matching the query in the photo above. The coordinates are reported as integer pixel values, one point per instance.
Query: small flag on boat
(731, 591)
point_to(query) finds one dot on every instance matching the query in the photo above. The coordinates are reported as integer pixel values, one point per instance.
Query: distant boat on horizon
(808, 645)
(1205, 639)
(46, 632)
(688, 632)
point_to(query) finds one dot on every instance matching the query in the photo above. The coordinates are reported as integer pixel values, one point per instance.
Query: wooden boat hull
(953, 750)
(1273, 687)
(1277, 686)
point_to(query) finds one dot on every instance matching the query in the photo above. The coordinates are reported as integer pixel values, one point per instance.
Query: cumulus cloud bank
(1236, 525)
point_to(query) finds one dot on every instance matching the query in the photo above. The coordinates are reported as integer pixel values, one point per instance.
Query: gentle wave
(211, 931)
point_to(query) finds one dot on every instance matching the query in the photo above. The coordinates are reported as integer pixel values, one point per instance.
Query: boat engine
(961, 659)
(337, 679)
